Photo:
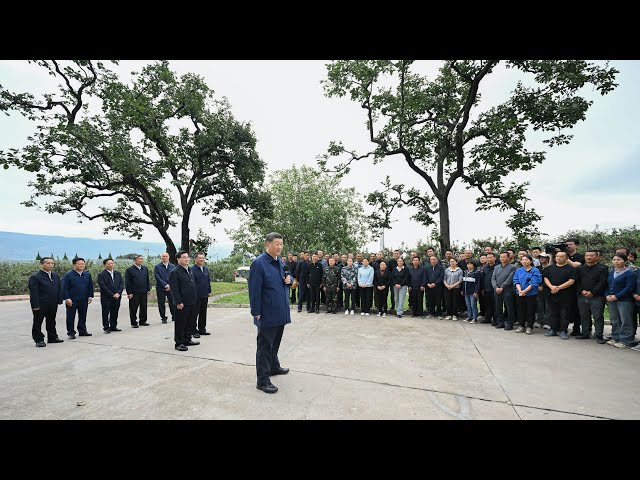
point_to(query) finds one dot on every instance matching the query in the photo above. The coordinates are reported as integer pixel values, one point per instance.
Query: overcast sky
(594, 180)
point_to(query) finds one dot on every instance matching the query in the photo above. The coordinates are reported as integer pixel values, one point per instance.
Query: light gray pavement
(341, 368)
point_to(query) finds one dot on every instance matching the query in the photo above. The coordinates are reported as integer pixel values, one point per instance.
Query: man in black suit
(185, 296)
(45, 293)
(313, 281)
(301, 275)
(163, 291)
(111, 286)
(203, 287)
(136, 280)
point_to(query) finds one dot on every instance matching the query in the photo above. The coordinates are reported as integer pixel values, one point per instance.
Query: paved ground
(341, 368)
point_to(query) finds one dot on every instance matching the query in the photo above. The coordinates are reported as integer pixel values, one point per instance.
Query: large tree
(133, 154)
(441, 131)
(310, 211)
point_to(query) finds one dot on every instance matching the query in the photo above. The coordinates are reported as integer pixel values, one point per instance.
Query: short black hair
(574, 240)
(491, 253)
(536, 248)
(635, 255)
(622, 256)
(78, 259)
(529, 257)
(180, 253)
(623, 248)
(414, 257)
(137, 257)
(200, 253)
(591, 250)
(510, 250)
(396, 250)
(448, 250)
(472, 262)
(506, 252)
(45, 258)
(272, 236)
(104, 262)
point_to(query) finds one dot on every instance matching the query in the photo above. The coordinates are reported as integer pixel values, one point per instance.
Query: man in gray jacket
(502, 282)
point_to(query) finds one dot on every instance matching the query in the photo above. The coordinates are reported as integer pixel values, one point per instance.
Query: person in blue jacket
(77, 290)
(45, 293)
(269, 301)
(621, 286)
(163, 290)
(526, 279)
(471, 282)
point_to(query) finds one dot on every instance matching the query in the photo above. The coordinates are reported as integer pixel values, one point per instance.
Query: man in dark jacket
(269, 299)
(435, 279)
(163, 291)
(185, 294)
(77, 291)
(136, 281)
(111, 286)
(203, 286)
(45, 293)
(301, 275)
(314, 280)
(591, 285)
(487, 291)
(416, 287)
(330, 284)
(292, 263)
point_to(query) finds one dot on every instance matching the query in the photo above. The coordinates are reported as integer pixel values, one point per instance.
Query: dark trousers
(560, 309)
(80, 307)
(162, 296)
(366, 296)
(110, 308)
(435, 299)
(356, 297)
(505, 301)
(483, 306)
(574, 315)
(415, 298)
(452, 299)
(200, 325)
(323, 297)
(303, 295)
(393, 301)
(268, 344)
(293, 298)
(544, 316)
(381, 296)
(527, 310)
(349, 301)
(340, 298)
(591, 307)
(489, 305)
(314, 298)
(182, 324)
(47, 312)
(138, 300)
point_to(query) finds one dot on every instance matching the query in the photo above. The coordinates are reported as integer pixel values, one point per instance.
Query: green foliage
(436, 126)
(200, 244)
(38, 257)
(222, 270)
(310, 211)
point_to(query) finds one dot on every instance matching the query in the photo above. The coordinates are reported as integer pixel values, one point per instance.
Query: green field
(238, 298)
(226, 287)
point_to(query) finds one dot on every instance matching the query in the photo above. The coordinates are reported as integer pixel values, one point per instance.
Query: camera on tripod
(553, 248)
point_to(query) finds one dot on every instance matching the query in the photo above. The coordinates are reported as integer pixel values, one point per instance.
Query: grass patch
(235, 299)
(227, 287)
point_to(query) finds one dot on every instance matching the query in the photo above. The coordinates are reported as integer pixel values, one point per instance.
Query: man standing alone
(269, 300)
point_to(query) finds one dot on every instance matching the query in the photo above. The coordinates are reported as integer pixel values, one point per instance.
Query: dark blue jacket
(418, 276)
(471, 282)
(77, 287)
(137, 281)
(623, 286)
(533, 277)
(435, 274)
(301, 272)
(44, 291)
(268, 294)
(109, 287)
(203, 281)
(161, 274)
(183, 286)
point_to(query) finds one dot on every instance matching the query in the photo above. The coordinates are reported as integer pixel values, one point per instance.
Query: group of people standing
(185, 288)
(533, 289)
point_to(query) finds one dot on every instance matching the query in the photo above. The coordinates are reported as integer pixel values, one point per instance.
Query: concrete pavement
(341, 368)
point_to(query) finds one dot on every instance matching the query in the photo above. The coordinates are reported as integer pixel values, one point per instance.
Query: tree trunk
(445, 235)
(184, 239)
(171, 247)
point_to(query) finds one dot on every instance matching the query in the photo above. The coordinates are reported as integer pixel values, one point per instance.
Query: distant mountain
(23, 246)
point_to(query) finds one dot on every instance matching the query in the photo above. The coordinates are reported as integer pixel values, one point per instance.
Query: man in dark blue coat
(163, 290)
(435, 279)
(301, 275)
(417, 286)
(77, 290)
(45, 293)
(136, 281)
(185, 295)
(111, 286)
(203, 286)
(269, 299)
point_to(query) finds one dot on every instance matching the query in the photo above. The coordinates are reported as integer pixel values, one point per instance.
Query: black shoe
(191, 342)
(181, 348)
(268, 388)
(317, 311)
(115, 329)
(172, 319)
(299, 310)
(205, 333)
(486, 321)
(600, 340)
(195, 335)
(164, 321)
(280, 371)
(106, 330)
(71, 337)
(500, 325)
(575, 332)
(508, 327)
(55, 340)
(41, 344)
(144, 324)
(584, 336)
(85, 334)
(135, 325)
